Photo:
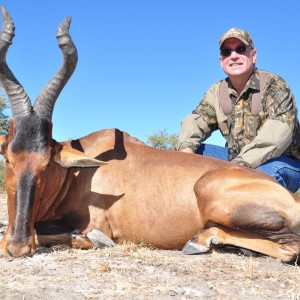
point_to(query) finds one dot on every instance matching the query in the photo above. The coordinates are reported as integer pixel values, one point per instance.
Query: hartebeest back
(108, 186)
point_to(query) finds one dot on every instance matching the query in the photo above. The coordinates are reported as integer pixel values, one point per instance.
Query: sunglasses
(239, 49)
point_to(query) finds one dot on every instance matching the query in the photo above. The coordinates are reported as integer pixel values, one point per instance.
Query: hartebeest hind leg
(219, 235)
(246, 210)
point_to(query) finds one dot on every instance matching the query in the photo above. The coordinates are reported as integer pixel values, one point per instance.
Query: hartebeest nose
(18, 250)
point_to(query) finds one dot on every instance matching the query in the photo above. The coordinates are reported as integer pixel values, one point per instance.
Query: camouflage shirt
(278, 130)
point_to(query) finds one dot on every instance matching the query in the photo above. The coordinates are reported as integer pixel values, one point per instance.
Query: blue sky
(144, 65)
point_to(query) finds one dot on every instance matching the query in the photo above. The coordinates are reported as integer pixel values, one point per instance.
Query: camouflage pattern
(277, 103)
(237, 33)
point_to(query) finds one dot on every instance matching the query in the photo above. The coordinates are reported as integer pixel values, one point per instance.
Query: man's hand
(187, 150)
(241, 162)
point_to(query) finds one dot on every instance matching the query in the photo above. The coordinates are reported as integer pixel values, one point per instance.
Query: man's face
(237, 64)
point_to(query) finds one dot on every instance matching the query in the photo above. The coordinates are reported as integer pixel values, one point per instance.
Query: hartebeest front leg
(93, 239)
(73, 241)
(219, 235)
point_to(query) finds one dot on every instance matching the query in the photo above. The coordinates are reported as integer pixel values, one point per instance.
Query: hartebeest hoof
(191, 247)
(19, 251)
(99, 239)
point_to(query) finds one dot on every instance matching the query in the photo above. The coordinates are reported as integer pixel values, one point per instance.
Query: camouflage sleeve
(279, 102)
(275, 135)
(198, 126)
(272, 140)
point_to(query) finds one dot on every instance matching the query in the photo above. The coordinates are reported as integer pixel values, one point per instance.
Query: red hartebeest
(108, 186)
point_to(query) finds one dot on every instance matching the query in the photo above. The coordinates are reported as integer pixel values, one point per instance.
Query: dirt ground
(135, 272)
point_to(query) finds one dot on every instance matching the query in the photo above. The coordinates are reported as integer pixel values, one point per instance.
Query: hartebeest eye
(6, 159)
(49, 163)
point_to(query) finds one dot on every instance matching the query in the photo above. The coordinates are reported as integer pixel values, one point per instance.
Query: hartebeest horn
(19, 100)
(45, 101)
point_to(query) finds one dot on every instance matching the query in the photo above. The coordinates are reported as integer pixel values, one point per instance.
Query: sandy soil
(135, 272)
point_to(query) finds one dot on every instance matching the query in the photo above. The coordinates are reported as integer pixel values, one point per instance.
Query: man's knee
(285, 171)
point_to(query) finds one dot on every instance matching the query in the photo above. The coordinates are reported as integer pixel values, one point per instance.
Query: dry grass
(131, 271)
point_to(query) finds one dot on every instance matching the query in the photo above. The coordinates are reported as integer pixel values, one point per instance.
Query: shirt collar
(252, 83)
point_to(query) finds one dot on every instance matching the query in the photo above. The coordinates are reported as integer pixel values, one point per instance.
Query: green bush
(2, 176)
(162, 140)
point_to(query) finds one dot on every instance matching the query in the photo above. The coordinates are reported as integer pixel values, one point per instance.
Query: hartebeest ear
(68, 157)
(2, 141)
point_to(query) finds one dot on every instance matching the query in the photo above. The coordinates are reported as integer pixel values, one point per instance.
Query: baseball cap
(239, 34)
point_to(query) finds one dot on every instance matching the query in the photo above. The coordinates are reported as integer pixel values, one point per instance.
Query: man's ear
(68, 157)
(254, 53)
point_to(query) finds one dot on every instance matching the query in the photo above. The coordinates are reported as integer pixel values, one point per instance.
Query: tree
(4, 127)
(162, 140)
(4, 119)
(2, 176)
